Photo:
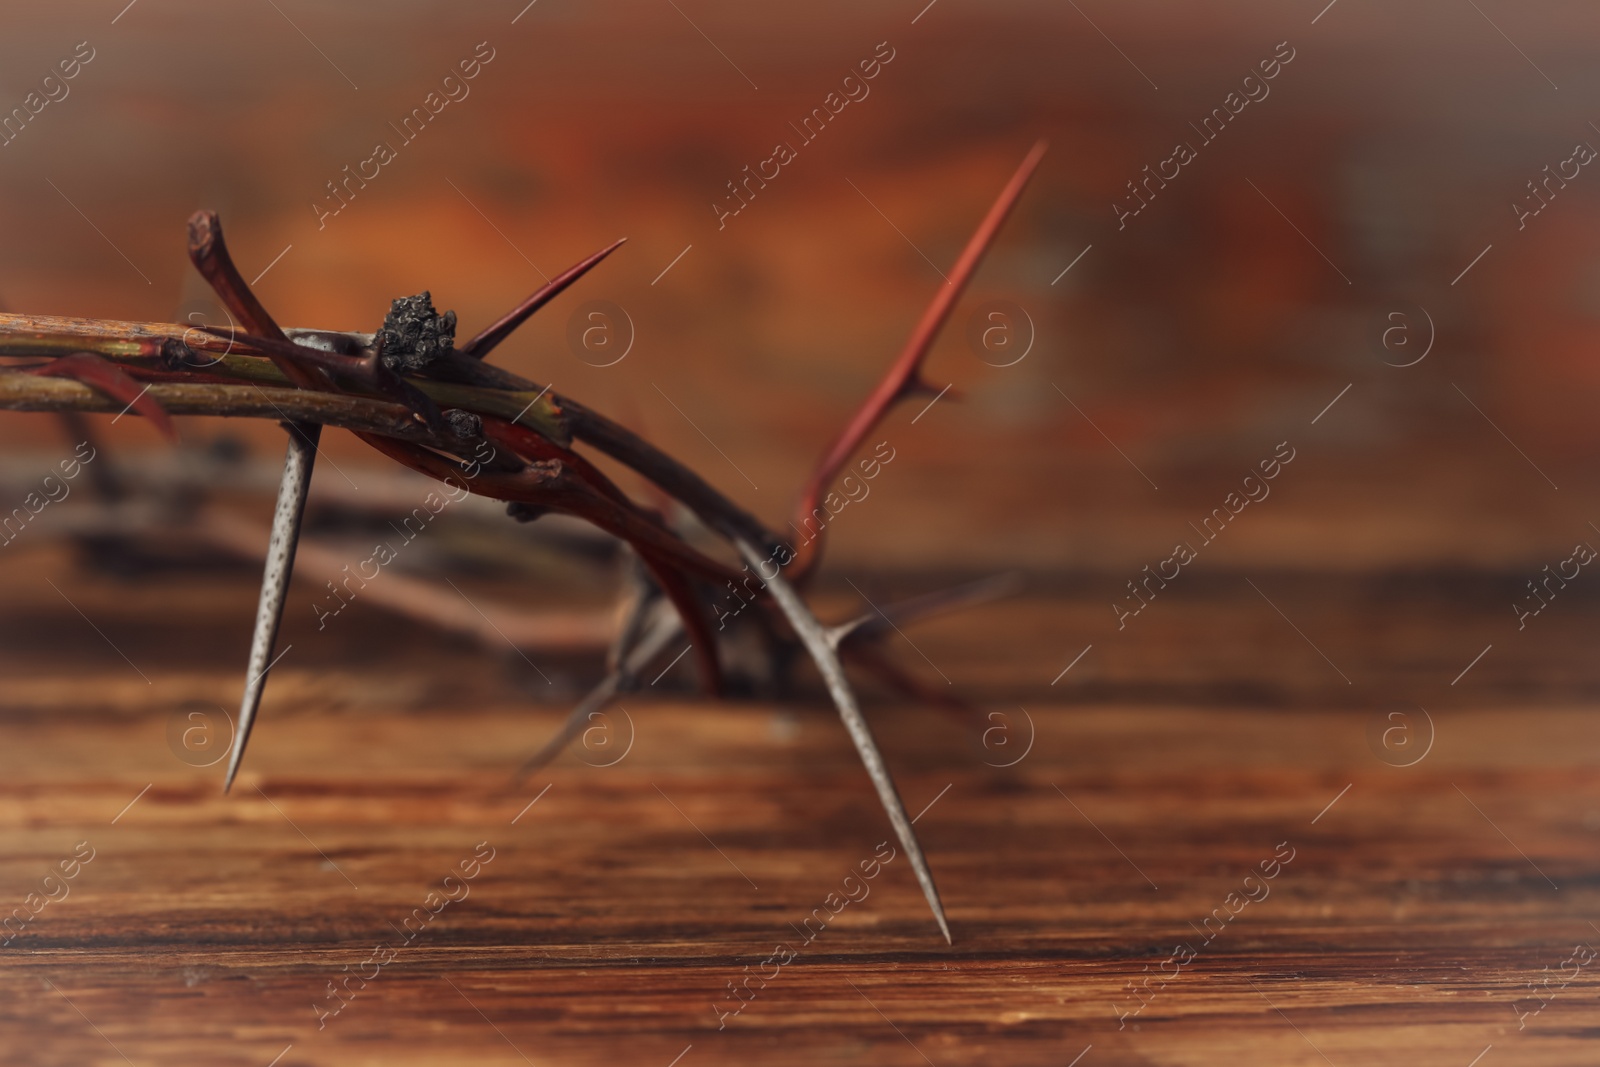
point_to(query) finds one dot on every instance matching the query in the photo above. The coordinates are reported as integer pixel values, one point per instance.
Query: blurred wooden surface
(1419, 903)
(1221, 321)
(1257, 293)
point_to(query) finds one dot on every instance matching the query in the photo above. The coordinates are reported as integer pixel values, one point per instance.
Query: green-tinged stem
(135, 345)
(29, 392)
(129, 343)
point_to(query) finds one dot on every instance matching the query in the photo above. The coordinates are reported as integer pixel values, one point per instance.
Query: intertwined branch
(410, 393)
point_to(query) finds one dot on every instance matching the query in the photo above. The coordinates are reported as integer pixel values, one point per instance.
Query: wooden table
(622, 901)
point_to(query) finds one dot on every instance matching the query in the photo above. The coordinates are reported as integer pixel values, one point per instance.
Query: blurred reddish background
(1216, 324)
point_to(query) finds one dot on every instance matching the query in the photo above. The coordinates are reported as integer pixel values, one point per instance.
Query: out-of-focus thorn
(99, 373)
(663, 626)
(837, 634)
(877, 623)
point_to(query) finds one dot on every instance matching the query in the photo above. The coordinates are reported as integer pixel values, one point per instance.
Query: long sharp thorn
(640, 598)
(662, 627)
(878, 622)
(481, 345)
(597, 698)
(836, 635)
(815, 638)
(208, 251)
(285, 537)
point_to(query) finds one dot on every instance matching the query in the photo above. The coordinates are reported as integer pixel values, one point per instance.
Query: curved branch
(628, 448)
(209, 254)
(552, 484)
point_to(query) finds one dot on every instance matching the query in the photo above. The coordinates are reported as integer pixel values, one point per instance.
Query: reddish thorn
(918, 386)
(904, 373)
(481, 345)
(105, 376)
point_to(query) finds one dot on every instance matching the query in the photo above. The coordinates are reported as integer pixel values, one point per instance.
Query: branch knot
(414, 335)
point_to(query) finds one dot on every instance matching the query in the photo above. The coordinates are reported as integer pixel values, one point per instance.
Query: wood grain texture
(617, 909)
